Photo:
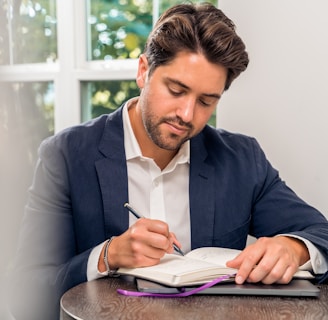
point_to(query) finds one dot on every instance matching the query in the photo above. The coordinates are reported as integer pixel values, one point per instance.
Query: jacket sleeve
(278, 210)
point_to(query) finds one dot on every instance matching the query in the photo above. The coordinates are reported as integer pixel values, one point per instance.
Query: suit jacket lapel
(201, 194)
(112, 175)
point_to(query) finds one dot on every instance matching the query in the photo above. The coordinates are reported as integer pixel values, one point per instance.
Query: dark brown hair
(198, 28)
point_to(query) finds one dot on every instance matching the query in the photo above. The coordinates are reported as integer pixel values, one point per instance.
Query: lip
(178, 130)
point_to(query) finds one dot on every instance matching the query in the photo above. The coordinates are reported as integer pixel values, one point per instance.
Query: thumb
(174, 239)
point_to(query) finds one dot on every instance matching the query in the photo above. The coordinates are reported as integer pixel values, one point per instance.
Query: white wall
(282, 98)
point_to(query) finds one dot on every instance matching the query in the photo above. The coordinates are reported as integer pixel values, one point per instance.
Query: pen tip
(126, 204)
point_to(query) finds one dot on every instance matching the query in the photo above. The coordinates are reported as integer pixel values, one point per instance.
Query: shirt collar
(132, 149)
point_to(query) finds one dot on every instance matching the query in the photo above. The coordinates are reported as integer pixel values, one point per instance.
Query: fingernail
(239, 280)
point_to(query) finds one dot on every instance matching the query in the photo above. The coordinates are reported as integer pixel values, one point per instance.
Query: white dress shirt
(164, 195)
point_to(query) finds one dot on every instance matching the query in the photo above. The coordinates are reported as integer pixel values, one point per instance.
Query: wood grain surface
(98, 300)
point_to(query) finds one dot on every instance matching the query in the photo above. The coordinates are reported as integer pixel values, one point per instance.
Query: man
(196, 186)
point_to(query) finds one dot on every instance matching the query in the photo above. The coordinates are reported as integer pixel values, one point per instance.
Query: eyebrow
(181, 84)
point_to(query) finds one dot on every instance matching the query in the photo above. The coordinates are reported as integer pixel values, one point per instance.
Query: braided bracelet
(110, 272)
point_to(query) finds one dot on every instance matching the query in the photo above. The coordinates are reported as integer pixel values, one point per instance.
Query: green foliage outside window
(107, 96)
(118, 28)
(28, 32)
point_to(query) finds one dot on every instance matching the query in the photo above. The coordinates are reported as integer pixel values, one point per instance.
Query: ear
(142, 71)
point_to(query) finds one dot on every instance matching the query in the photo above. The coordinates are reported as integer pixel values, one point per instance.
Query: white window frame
(72, 68)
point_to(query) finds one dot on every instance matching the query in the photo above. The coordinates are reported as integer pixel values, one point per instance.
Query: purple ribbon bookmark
(175, 295)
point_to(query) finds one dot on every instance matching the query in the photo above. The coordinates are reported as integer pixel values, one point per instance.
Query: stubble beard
(152, 126)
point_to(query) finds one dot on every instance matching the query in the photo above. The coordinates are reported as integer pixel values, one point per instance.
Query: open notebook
(197, 267)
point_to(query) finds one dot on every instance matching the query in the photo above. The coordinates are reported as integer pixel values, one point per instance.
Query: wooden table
(97, 300)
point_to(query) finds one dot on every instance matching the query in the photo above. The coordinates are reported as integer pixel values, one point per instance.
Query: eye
(175, 92)
(205, 103)
(208, 100)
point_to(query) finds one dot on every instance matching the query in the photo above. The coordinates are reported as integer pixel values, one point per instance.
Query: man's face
(177, 100)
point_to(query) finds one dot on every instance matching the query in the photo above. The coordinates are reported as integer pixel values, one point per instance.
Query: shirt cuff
(92, 267)
(317, 263)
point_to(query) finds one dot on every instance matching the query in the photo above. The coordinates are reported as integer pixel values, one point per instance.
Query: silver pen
(139, 216)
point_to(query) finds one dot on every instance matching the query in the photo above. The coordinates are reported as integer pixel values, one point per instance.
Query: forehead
(195, 72)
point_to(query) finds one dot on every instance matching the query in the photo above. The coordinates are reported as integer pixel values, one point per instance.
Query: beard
(169, 141)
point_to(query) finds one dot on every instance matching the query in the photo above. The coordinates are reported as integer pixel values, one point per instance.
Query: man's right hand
(143, 244)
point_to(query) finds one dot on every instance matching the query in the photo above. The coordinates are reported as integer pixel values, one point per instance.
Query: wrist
(299, 247)
(104, 264)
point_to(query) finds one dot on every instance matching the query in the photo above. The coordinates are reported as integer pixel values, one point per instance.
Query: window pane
(119, 29)
(28, 31)
(4, 39)
(101, 97)
(26, 116)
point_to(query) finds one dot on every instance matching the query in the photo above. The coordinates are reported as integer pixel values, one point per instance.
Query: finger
(288, 276)
(280, 273)
(145, 254)
(159, 241)
(142, 227)
(236, 262)
(153, 233)
(245, 262)
(174, 240)
(157, 226)
(138, 260)
(267, 268)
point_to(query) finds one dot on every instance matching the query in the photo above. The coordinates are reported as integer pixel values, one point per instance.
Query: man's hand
(270, 260)
(143, 244)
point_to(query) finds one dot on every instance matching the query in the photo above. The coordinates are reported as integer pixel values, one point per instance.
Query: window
(85, 52)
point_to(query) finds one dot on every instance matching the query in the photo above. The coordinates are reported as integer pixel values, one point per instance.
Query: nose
(186, 110)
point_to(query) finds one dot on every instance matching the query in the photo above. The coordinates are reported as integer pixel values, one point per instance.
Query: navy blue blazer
(80, 185)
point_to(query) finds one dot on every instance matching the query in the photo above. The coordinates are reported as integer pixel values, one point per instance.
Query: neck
(161, 157)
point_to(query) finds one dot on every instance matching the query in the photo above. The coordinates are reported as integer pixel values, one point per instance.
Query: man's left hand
(270, 260)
